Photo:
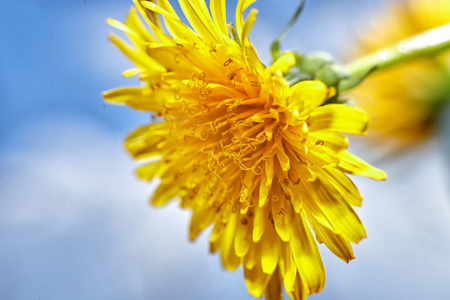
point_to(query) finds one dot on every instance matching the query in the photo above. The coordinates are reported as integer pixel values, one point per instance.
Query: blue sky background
(74, 221)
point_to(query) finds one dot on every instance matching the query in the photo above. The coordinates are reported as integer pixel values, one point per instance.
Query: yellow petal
(284, 63)
(338, 245)
(241, 6)
(330, 140)
(299, 291)
(137, 98)
(243, 236)
(269, 170)
(122, 95)
(344, 185)
(152, 21)
(166, 191)
(283, 159)
(269, 250)
(287, 267)
(218, 12)
(352, 164)
(339, 213)
(339, 118)
(256, 280)
(177, 28)
(143, 143)
(134, 22)
(216, 233)
(199, 20)
(306, 96)
(253, 256)
(170, 22)
(142, 61)
(229, 258)
(263, 190)
(150, 171)
(273, 289)
(202, 217)
(124, 28)
(132, 72)
(306, 254)
(259, 222)
(248, 52)
(280, 216)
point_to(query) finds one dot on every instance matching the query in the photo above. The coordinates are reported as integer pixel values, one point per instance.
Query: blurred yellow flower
(403, 101)
(260, 161)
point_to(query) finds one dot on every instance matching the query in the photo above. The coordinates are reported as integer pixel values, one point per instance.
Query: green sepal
(234, 34)
(296, 77)
(312, 63)
(351, 82)
(331, 75)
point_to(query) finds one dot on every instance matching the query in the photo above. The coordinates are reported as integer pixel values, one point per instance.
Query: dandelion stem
(428, 43)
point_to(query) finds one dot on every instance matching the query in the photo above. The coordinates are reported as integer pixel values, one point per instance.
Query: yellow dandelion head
(260, 161)
(403, 101)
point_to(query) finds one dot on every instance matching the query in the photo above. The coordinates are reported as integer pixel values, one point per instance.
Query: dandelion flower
(403, 101)
(260, 161)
